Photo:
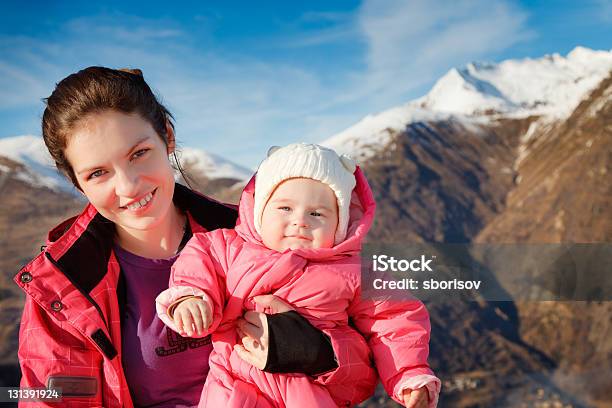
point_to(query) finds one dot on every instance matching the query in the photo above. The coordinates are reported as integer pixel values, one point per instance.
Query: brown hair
(94, 90)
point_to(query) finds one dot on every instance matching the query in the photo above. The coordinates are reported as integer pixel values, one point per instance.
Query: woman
(89, 325)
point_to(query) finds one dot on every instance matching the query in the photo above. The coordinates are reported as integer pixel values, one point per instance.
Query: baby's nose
(300, 221)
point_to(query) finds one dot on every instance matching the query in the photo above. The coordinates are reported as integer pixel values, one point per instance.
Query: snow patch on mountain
(374, 132)
(40, 170)
(362, 139)
(213, 166)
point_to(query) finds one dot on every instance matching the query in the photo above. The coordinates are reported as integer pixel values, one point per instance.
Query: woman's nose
(126, 184)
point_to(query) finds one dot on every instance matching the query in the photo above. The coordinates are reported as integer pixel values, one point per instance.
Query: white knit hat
(309, 161)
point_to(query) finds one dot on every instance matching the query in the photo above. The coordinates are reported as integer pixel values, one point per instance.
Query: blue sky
(241, 76)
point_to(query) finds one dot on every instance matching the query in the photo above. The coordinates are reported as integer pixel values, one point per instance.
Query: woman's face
(122, 166)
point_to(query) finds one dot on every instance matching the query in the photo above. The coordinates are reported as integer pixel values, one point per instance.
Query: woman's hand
(192, 313)
(418, 398)
(254, 332)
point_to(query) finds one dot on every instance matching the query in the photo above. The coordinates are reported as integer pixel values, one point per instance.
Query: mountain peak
(466, 91)
(552, 85)
(587, 55)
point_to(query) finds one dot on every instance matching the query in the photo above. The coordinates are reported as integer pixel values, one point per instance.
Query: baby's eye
(284, 208)
(139, 153)
(316, 214)
(95, 174)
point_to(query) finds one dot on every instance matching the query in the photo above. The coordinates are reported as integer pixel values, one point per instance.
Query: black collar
(85, 263)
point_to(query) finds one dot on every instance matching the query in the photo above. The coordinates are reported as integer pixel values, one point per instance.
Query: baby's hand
(192, 313)
(418, 398)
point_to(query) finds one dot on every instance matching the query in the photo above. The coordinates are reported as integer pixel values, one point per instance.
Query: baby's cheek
(325, 241)
(273, 239)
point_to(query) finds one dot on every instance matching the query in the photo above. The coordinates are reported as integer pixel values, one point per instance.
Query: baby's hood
(361, 216)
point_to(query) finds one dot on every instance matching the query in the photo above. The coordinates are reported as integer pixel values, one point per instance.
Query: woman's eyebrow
(143, 139)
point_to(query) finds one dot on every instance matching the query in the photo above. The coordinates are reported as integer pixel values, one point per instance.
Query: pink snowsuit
(229, 267)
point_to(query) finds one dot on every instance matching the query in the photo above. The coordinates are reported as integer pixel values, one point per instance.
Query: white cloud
(19, 87)
(409, 44)
(332, 27)
(604, 10)
(415, 41)
(130, 29)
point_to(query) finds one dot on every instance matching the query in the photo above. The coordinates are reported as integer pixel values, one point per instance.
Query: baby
(301, 224)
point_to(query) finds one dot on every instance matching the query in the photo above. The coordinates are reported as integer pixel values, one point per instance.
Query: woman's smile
(140, 205)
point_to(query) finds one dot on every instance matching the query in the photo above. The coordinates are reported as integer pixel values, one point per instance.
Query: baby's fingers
(197, 320)
(178, 322)
(206, 315)
(416, 399)
(187, 321)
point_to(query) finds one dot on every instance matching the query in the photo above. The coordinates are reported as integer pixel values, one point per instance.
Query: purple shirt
(162, 368)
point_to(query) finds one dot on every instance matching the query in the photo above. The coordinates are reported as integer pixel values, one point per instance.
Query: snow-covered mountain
(39, 169)
(211, 165)
(550, 87)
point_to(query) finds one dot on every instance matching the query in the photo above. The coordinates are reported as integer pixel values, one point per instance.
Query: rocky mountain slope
(564, 194)
(27, 211)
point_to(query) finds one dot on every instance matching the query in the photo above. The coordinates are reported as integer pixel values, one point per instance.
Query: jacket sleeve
(43, 354)
(200, 270)
(398, 334)
(354, 379)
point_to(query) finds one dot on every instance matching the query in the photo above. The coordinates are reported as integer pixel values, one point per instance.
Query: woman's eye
(139, 153)
(95, 174)
(284, 208)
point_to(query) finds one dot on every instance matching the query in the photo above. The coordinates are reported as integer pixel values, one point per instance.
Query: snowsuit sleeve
(398, 333)
(354, 380)
(200, 270)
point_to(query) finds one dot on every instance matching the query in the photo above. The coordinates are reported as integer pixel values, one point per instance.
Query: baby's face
(301, 213)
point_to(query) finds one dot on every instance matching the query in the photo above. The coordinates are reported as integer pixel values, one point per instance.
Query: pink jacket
(70, 332)
(56, 337)
(229, 267)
